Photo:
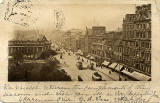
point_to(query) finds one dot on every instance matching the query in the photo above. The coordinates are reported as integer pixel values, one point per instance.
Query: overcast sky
(78, 16)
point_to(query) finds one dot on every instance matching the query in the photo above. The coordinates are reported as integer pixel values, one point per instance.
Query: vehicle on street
(96, 76)
(79, 78)
(61, 56)
(92, 66)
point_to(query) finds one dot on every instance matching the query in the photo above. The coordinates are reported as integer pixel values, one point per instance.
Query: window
(141, 26)
(147, 56)
(149, 34)
(136, 44)
(132, 34)
(137, 34)
(141, 35)
(144, 26)
(147, 25)
(147, 70)
(150, 25)
(137, 26)
(146, 45)
(149, 45)
(141, 44)
(144, 34)
(143, 68)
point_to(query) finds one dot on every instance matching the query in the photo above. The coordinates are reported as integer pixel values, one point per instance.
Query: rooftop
(31, 35)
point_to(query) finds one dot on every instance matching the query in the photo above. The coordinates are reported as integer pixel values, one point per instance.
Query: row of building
(130, 46)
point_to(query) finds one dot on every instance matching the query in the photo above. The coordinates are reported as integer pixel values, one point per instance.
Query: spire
(86, 30)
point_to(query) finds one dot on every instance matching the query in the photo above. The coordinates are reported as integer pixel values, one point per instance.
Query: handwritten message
(138, 93)
(19, 12)
(59, 18)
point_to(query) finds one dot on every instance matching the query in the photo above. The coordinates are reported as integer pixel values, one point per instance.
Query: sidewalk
(114, 75)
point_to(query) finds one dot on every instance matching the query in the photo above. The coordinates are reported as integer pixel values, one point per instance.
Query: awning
(113, 65)
(127, 73)
(81, 53)
(119, 67)
(105, 63)
(92, 58)
(140, 76)
(88, 56)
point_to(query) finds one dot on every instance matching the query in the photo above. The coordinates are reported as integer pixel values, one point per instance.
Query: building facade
(137, 40)
(29, 48)
(100, 43)
(73, 40)
(93, 35)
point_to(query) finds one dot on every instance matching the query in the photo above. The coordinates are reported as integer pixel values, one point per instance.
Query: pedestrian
(120, 79)
(92, 66)
(82, 60)
(101, 66)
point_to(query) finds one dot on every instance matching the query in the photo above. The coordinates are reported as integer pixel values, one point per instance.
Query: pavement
(68, 63)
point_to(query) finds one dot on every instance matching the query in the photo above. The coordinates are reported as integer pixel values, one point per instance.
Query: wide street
(68, 64)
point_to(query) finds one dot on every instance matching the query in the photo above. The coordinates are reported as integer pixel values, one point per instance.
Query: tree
(47, 53)
(18, 56)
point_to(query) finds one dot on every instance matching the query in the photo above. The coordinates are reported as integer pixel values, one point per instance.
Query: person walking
(82, 60)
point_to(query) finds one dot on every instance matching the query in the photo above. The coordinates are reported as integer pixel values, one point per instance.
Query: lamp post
(138, 54)
(119, 73)
(110, 51)
(138, 60)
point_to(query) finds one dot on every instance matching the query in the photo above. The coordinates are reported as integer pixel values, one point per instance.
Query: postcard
(79, 51)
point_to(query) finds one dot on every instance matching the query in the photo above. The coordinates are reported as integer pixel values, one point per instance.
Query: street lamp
(119, 73)
(110, 51)
(138, 55)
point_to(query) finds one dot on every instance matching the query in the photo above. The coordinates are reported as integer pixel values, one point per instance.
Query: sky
(80, 16)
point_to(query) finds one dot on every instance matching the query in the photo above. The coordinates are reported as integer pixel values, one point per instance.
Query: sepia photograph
(79, 42)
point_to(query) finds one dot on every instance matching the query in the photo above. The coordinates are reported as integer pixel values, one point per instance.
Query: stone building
(73, 40)
(98, 48)
(92, 35)
(100, 43)
(117, 46)
(29, 49)
(137, 40)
